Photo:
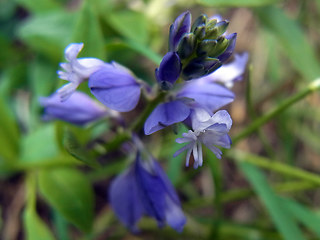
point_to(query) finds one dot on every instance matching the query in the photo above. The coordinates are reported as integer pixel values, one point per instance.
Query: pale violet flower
(76, 70)
(212, 131)
(227, 74)
(78, 109)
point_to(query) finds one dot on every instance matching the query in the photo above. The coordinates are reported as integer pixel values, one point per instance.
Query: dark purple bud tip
(169, 69)
(231, 45)
(181, 26)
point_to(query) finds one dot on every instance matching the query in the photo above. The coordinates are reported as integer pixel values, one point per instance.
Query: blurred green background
(265, 187)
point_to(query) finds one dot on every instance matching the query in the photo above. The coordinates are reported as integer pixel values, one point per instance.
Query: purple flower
(210, 96)
(212, 131)
(229, 73)
(78, 109)
(144, 189)
(116, 87)
(76, 70)
(228, 52)
(169, 70)
(180, 27)
(166, 114)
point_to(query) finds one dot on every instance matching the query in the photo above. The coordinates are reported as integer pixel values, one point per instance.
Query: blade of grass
(280, 216)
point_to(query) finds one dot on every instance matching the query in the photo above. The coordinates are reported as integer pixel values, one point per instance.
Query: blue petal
(115, 88)
(166, 114)
(209, 95)
(228, 52)
(152, 191)
(159, 197)
(78, 109)
(181, 26)
(174, 216)
(125, 199)
(173, 212)
(170, 68)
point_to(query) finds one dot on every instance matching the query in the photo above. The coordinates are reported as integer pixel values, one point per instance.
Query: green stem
(245, 193)
(31, 191)
(274, 166)
(138, 124)
(215, 168)
(312, 87)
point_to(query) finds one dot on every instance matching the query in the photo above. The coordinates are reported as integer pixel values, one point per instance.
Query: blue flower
(169, 70)
(212, 131)
(210, 96)
(180, 27)
(76, 70)
(78, 109)
(144, 189)
(116, 87)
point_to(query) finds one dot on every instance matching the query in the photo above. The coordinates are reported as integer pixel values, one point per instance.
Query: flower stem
(312, 87)
(215, 169)
(138, 124)
(274, 166)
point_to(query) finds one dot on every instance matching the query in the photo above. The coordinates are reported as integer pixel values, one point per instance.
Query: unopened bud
(217, 30)
(186, 45)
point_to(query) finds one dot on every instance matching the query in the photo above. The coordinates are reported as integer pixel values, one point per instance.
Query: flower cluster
(192, 85)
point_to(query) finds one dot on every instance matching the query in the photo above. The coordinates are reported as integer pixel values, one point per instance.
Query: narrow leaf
(74, 148)
(279, 214)
(88, 30)
(70, 193)
(303, 214)
(130, 24)
(292, 39)
(35, 228)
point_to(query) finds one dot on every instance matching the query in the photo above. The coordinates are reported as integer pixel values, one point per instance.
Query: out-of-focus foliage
(66, 170)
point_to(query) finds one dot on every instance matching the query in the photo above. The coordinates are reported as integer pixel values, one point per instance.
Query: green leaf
(292, 39)
(139, 48)
(74, 148)
(279, 214)
(237, 3)
(39, 5)
(88, 31)
(39, 145)
(9, 134)
(43, 77)
(35, 228)
(48, 33)
(70, 193)
(303, 214)
(130, 24)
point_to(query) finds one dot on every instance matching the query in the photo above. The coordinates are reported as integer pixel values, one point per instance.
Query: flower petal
(115, 88)
(209, 95)
(79, 109)
(169, 69)
(166, 114)
(125, 199)
(229, 73)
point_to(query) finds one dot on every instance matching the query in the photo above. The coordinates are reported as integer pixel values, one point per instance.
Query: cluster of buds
(195, 50)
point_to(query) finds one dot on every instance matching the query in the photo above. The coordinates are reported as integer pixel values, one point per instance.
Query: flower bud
(216, 31)
(181, 26)
(169, 69)
(186, 45)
